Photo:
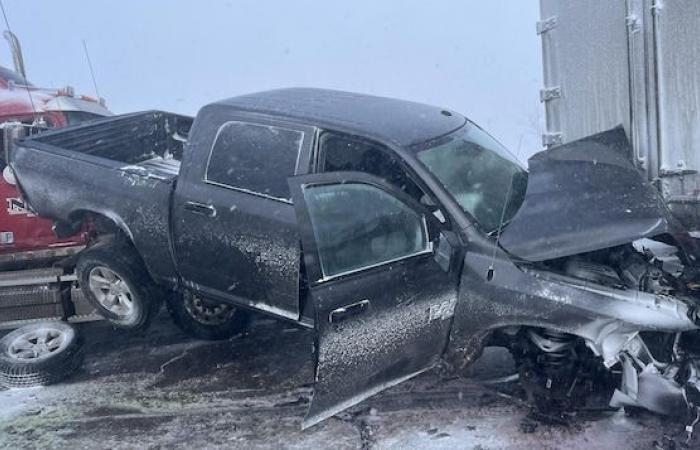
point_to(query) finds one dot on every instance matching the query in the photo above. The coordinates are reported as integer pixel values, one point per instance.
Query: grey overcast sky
(481, 58)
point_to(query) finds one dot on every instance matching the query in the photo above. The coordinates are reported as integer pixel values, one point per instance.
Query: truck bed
(122, 168)
(151, 140)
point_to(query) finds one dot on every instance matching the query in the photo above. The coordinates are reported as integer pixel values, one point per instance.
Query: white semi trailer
(634, 63)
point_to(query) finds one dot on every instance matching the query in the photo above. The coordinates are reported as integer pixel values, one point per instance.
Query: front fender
(605, 318)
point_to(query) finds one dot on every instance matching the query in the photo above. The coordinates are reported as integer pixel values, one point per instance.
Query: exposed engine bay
(655, 370)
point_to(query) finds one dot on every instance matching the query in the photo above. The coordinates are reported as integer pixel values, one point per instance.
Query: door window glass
(254, 158)
(359, 225)
(344, 153)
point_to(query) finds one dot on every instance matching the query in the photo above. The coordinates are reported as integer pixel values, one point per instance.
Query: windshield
(478, 172)
(78, 117)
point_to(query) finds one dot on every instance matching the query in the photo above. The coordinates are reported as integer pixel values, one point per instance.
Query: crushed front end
(625, 318)
(593, 281)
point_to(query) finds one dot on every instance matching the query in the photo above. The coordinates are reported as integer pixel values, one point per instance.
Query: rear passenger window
(254, 158)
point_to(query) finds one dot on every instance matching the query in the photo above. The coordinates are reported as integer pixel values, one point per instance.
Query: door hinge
(551, 139)
(633, 23)
(550, 93)
(546, 25)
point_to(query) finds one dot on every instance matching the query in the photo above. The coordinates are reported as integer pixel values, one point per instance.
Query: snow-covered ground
(164, 390)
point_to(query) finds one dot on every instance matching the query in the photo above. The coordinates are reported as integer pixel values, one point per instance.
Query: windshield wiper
(500, 228)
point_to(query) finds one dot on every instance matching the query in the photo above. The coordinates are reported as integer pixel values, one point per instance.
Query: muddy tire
(115, 281)
(39, 354)
(206, 319)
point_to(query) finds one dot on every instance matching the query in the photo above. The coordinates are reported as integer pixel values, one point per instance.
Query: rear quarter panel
(61, 185)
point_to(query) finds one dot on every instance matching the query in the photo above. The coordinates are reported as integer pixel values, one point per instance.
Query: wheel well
(103, 230)
(100, 225)
(106, 231)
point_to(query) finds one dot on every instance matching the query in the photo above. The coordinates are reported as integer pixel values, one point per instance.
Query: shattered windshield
(483, 176)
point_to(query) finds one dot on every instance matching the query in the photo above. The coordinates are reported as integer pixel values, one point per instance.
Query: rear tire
(115, 281)
(206, 319)
(39, 354)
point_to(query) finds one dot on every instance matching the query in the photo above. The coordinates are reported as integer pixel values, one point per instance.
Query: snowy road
(163, 390)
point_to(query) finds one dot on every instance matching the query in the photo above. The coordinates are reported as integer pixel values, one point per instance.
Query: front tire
(206, 319)
(116, 282)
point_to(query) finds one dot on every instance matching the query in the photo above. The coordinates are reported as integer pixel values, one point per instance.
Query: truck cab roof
(400, 122)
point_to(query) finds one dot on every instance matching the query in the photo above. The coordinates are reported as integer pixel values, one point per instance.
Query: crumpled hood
(584, 196)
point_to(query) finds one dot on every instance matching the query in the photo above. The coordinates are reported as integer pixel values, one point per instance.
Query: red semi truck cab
(35, 281)
(23, 236)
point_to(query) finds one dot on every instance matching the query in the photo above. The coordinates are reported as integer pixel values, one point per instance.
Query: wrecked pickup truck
(403, 233)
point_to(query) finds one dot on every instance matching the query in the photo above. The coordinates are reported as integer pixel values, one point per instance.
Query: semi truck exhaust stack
(17, 57)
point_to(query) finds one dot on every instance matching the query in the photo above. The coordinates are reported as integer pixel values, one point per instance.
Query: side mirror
(428, 202)
(432, 207)
(444, 252)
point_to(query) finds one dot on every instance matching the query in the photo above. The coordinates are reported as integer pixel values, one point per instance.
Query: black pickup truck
(403, 233)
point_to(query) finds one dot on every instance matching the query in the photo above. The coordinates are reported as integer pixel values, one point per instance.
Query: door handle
(201, 208)
(345, 312)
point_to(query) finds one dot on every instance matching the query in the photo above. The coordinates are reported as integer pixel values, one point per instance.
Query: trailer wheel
(115, 281)
(206, 319)
(39, 354)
